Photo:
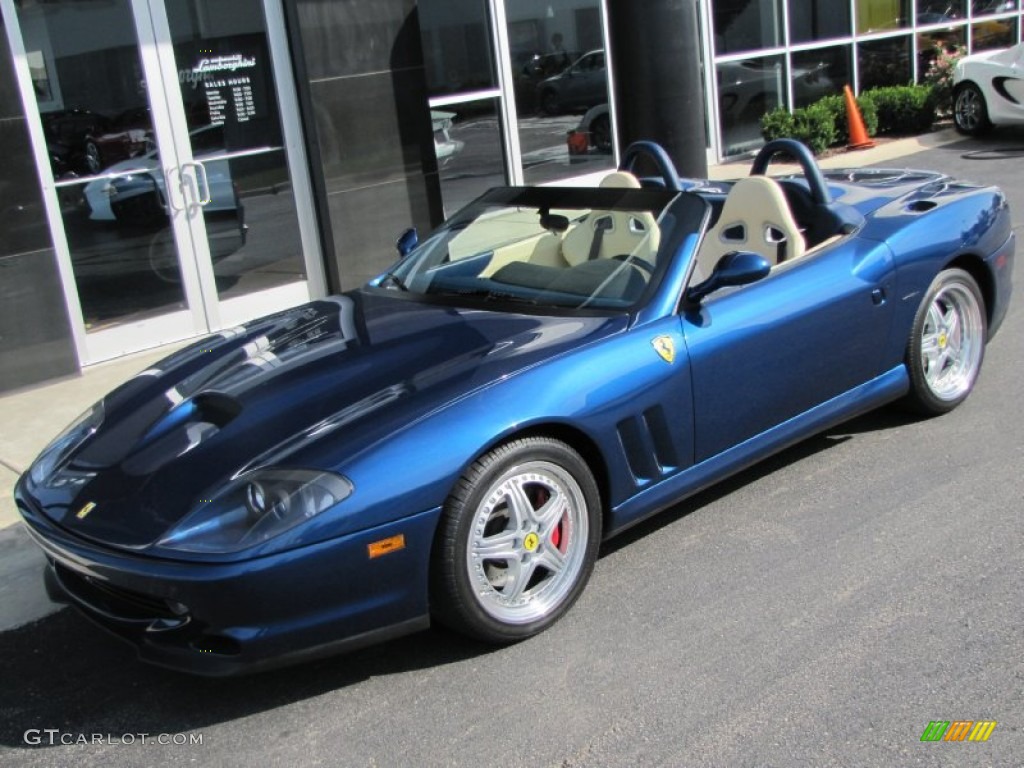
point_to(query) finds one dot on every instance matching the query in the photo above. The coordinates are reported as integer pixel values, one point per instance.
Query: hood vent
(181, 430)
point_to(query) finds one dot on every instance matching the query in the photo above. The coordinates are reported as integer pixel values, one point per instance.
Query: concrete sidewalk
(33, 417)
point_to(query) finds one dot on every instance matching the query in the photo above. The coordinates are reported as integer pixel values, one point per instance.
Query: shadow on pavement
(63, 672)
(888, 417)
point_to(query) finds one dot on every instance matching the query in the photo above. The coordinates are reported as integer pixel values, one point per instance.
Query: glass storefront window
(994, 33)
(811, 20)
(985, 7)
(884, 62)
(560, 82)
(940, 11)
(930, 43)
(881, 15)
(819, 73)
(746, 25)
(457, 50)
(746, 91)
(469, 151)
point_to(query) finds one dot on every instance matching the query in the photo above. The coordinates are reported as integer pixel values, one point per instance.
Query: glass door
(174, 192)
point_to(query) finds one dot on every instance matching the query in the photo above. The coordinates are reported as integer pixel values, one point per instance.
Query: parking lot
(818, 609)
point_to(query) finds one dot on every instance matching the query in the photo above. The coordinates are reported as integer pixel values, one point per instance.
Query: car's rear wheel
(970, 113)
(517, 541)
(947, 343)
(93, 158)
(601, 134)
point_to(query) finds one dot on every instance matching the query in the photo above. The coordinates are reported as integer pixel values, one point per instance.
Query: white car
(988, 89)
(134, 191)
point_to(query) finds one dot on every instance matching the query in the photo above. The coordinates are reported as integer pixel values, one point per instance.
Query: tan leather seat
(757, 218)
(606, 234)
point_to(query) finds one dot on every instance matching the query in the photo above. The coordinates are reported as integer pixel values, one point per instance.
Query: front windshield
(546, 246)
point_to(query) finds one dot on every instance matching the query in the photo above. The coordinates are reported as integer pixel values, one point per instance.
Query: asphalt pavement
(820, 609)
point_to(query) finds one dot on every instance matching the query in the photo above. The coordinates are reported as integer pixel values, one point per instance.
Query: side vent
(647, 445)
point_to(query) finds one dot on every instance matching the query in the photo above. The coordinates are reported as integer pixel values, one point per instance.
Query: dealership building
(176, 167)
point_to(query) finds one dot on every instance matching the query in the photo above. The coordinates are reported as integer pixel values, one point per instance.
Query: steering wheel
(654, 152)
(815, 180)
(635, 261)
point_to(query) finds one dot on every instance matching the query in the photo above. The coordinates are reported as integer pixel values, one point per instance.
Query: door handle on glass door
(169, 176)
(204, 197)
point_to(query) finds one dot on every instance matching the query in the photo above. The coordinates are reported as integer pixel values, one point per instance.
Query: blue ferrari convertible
(453, 441)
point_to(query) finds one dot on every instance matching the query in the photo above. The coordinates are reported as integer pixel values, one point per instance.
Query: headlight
(61, 447)
(256, 507)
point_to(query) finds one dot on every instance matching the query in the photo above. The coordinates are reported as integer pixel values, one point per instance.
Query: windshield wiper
(487, 294)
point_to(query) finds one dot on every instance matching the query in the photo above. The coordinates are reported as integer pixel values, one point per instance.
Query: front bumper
(226, 618)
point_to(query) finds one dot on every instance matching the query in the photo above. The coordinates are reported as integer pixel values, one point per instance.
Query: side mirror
(735, 268)
(407, 241)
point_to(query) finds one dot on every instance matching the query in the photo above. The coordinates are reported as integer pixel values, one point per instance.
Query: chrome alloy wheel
(952, 342)
(970, 113)
(528, 542)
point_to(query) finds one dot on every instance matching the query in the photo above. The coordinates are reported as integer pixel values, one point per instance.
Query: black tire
(947, 343)
(970, 112)
(538, 567)
(601, 134)
(93, 158)
(549, 103)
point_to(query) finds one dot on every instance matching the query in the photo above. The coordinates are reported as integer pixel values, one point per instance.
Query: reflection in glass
(818, 73)
(746, 91)
(469, 151)
(995, 33)
(985, 7)
(884, 62)
(560, 81)
(227, 86)
(746, 25)
(811, 20)
(457, 50)
(929, 44)
(96, 122)
(940, 11)
(880, 15)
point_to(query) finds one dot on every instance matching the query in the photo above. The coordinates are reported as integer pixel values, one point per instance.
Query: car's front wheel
(970, 113)
(517, 541)
(549, 102)
(947, 343)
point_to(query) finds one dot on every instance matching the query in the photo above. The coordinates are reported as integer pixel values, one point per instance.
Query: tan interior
(513, 236)
(628, 232)
(756, 217)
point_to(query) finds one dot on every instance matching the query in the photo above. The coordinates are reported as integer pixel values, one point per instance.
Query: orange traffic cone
(859, 138)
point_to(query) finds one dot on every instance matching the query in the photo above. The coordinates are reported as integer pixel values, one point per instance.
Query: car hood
(287, 389)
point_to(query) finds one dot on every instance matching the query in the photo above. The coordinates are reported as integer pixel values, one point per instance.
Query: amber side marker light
(386, 546)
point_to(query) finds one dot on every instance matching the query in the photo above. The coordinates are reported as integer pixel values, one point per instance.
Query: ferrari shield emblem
(665, 348)
(85, 510)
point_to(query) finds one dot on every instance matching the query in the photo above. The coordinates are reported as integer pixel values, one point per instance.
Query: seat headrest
(620, 180)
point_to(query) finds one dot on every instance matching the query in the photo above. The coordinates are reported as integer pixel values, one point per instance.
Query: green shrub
(836, 104)
(820, 125)
(939, 75)
(777, 124)
(815, 126)
(903, 109)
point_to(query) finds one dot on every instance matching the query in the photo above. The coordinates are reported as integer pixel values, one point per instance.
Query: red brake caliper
(540, 500)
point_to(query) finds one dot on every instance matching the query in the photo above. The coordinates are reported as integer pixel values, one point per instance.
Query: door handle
(202, 183)
(170, 184)
(878, 297)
